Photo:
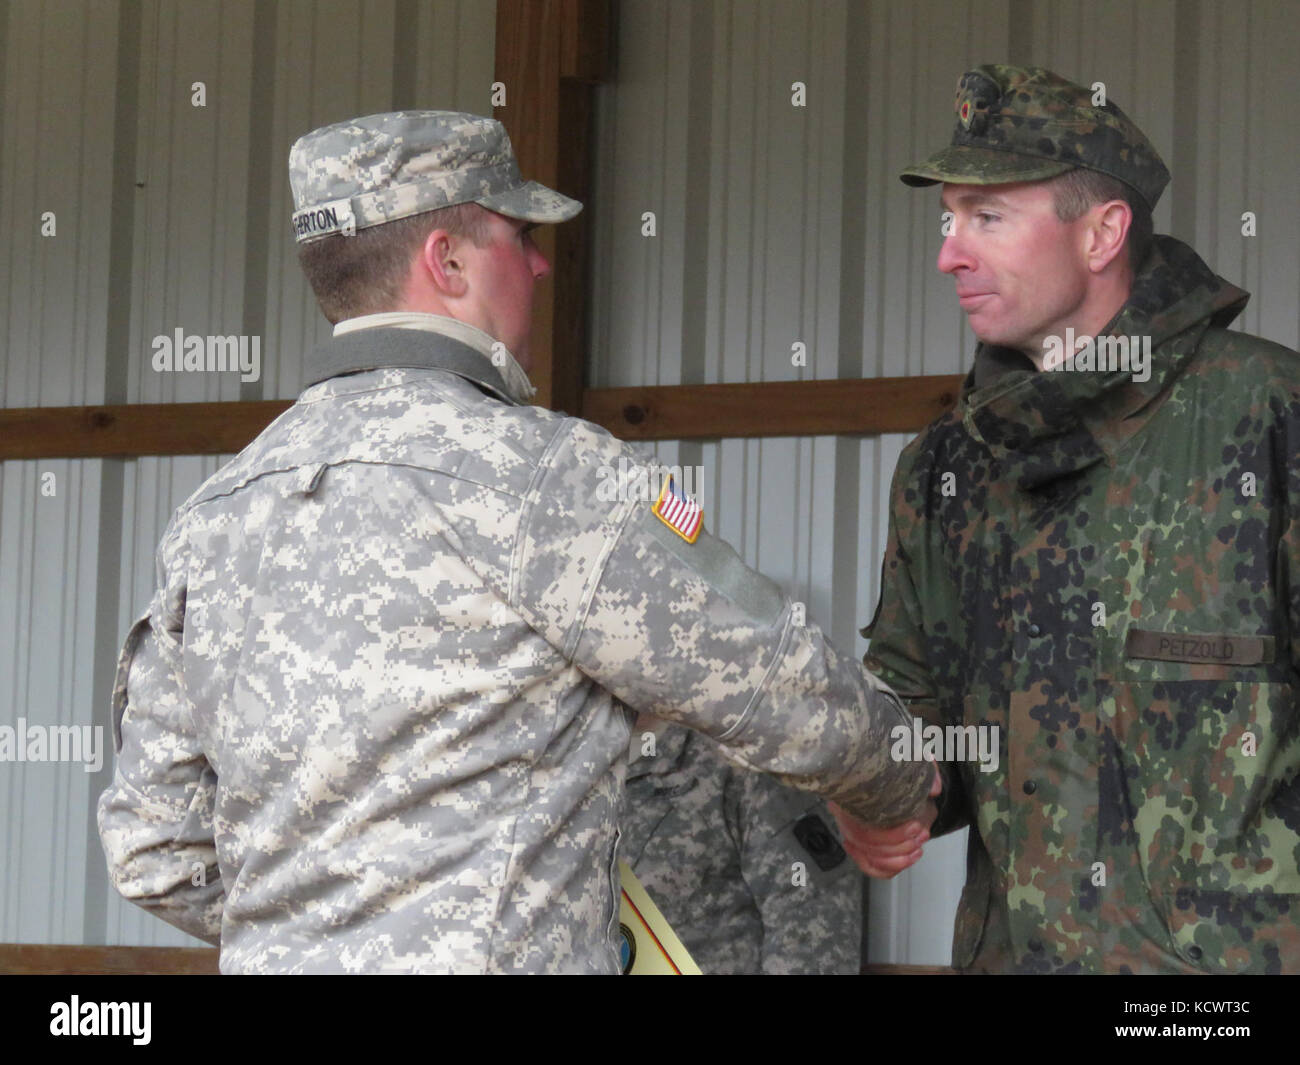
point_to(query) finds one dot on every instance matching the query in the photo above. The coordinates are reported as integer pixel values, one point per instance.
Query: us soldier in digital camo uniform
(373, 719)
(1102, 563)
(750, 875)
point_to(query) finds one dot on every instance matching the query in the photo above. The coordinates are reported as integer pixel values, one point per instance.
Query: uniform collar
(1043, 425)
(508, 370)
(379, 347)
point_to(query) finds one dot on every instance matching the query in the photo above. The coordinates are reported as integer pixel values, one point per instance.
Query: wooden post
(549, 54)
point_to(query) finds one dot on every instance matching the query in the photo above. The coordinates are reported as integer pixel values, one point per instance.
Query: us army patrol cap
(380, 168)
(1027, 124)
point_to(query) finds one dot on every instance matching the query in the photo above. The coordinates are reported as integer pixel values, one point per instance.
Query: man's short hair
(366, 273)
(1079, 189)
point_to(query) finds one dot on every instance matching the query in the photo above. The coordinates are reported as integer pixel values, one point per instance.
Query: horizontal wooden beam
(133, 429)
(676, 412)
(772, 408)
(38, 958)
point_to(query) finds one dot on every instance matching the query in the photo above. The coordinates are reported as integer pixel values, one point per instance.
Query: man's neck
(1091, 319)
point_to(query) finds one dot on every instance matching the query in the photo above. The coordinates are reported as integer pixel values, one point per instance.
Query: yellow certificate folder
(649, 947)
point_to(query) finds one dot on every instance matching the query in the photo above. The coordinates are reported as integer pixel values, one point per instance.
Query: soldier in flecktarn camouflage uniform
(749, 874)
(1105, 565)
(376, 717)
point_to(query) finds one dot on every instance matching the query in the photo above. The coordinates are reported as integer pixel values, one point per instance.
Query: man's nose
(541, 267)
(953, 255)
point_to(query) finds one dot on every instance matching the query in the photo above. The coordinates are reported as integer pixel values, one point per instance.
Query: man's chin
(991, 337)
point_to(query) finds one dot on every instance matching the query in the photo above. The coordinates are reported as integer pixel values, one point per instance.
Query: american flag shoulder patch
(684, 516)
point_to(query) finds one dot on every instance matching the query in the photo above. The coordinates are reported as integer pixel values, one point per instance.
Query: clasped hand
(885, 852)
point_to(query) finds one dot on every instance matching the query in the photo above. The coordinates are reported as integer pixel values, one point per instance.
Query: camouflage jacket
(1108, 571)
(749, 874)
(373, 719)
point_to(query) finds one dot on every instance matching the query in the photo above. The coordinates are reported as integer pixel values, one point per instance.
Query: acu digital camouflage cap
(1027, 124)
(379, 168)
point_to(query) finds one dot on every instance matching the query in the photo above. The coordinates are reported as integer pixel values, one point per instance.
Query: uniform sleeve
(897, 653)
(808, 893)
(689, 633)
(155, 820)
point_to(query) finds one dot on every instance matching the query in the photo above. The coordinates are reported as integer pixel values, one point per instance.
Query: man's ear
(1108, 227)
(442, 264)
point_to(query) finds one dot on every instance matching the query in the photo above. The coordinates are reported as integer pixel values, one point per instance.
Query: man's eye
(986, 217)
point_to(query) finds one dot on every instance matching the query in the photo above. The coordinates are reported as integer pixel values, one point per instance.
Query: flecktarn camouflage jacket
(1107, 571)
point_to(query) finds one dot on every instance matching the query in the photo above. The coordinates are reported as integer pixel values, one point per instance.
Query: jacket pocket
(1234, 932)
(1211, 779)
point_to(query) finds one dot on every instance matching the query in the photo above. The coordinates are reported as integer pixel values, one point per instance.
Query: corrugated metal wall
(778, 224)
(775, 225)
(167, 215)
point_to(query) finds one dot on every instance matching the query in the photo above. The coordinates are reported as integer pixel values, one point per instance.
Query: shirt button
(1030, 787)
(1036, 945)
(1035, 631)
(1194, 953)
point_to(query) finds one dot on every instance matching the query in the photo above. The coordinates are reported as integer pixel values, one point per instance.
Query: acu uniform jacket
(379, 699)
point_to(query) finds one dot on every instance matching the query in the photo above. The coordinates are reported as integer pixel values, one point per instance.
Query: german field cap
(1027, 124)
(379, 168)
